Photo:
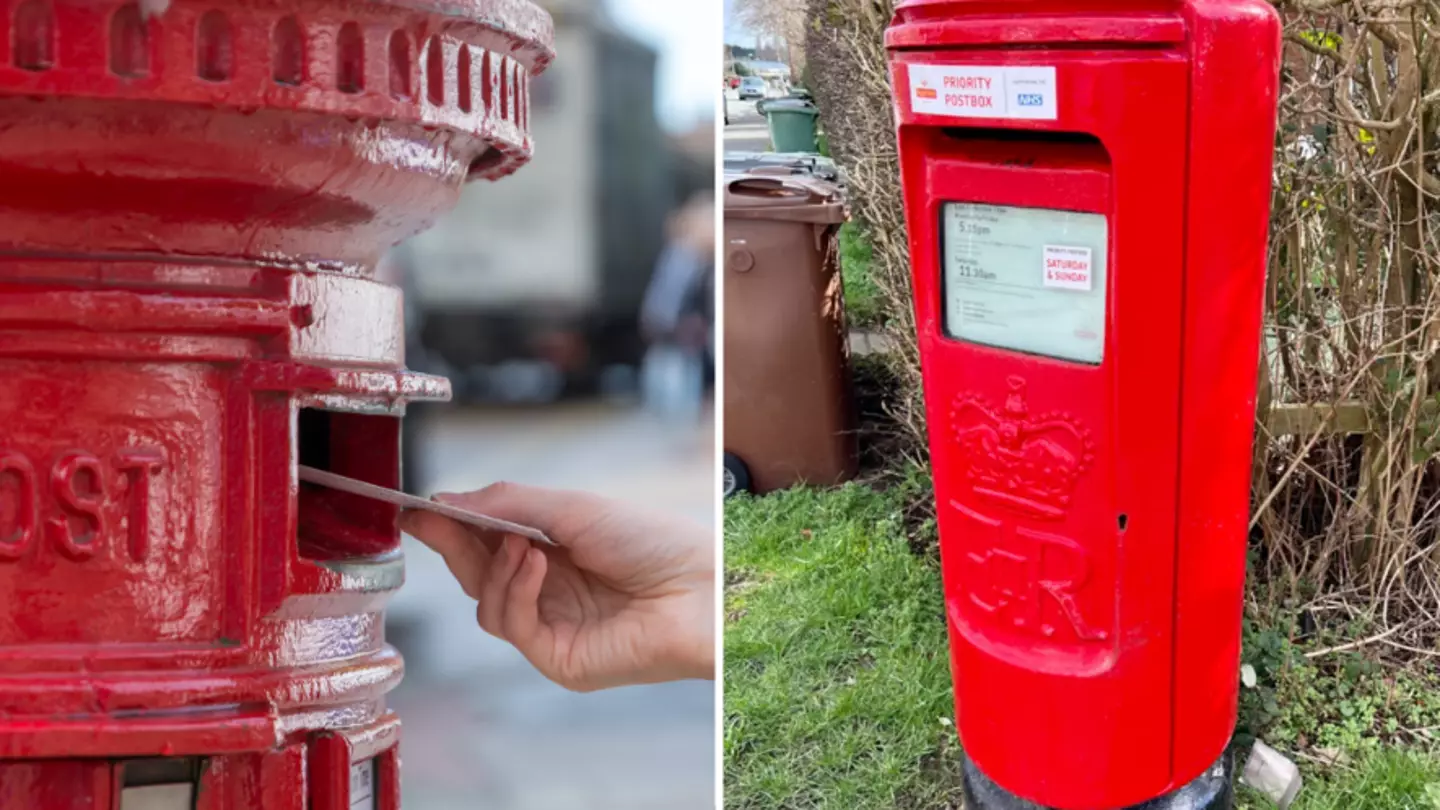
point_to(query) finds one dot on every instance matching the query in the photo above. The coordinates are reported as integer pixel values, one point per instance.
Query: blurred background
(570, 305)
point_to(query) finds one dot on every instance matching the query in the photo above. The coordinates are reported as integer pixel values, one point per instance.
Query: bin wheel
(737, 476)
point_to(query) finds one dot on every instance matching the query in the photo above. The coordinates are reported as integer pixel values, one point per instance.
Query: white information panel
(1027, 279)
(362, 785)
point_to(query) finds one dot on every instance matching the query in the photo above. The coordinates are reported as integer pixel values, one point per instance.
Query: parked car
(732, 82)
(752, 87)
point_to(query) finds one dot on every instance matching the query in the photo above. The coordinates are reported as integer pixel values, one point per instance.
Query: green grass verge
(837, 684)
(1383, 780)
(837, 688)
(862, 298)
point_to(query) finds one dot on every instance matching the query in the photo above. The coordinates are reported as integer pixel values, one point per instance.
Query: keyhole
(1124, 521)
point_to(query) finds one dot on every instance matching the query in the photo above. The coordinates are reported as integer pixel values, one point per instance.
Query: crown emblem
(1013, 460)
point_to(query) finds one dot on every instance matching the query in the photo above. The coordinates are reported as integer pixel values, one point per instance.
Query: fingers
(465, 556)
(495, 593)
(522, 609)
(505, 584)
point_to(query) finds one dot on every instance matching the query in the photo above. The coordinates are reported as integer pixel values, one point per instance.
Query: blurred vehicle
(530, 290)
(732, 82)
(752, 87)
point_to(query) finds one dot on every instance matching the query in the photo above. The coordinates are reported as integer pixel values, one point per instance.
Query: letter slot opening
(335, 525)
(159, 784)
(1023, 136)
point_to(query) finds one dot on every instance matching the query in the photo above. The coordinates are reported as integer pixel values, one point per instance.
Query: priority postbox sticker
(1068, 268)
(972, 91)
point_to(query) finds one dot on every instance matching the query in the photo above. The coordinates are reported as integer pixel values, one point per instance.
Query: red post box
(192, 202)
(1087, 188)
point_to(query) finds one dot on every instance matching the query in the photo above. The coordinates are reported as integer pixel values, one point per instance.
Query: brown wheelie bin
(789, 412)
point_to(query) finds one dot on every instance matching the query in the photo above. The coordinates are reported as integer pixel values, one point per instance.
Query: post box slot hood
(946, 24)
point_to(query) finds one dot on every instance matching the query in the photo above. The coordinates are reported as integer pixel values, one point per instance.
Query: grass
(1383, 780)
(837, 684)
(837, 688)
(862, 298)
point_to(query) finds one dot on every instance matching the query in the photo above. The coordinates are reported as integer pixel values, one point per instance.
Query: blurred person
(679, 303)
(626, 597)
(677, 313)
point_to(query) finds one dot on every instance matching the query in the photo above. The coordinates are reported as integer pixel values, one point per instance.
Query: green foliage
(863, 305)
(837, 686)
(1322, 39)
(742, 70)
(1342, 702)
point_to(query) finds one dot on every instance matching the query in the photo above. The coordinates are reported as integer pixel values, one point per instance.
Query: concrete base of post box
(1214, 790)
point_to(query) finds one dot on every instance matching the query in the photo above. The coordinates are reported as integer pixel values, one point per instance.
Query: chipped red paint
(192, 203)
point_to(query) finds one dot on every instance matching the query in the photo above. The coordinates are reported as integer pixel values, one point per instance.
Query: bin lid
(783, 163)
(792, 198)
(795, 105)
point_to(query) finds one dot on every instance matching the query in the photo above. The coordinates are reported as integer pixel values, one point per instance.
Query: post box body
(1087, 192)
(191, 208)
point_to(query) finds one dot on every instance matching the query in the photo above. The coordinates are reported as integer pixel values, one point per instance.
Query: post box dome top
(459, 65)
(285, 131)
(529, 29)
(1018, 7)
(231, 51)
(918, 24)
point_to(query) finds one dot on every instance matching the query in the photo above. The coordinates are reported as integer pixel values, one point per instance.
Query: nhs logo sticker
(983, 91)
(1031, 92)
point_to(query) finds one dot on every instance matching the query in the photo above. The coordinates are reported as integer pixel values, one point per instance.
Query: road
(746, 131)
(481, 728)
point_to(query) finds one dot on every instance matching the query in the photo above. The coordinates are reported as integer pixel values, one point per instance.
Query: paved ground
(864, 342)
(482, 729)
(746, 131)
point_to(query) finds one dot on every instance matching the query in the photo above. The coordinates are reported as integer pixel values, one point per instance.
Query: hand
(628, 597)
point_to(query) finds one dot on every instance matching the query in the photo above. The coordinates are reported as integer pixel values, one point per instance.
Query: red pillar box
(191, 206)
(1087, 188)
